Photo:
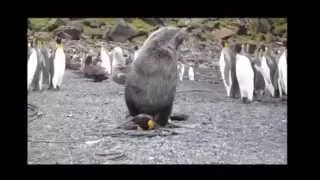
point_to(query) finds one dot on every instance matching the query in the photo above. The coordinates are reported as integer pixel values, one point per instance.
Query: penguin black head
(237, 48)
(31, 44)
(263, 47)
(88, 60)
(58, 40)
(224, 43)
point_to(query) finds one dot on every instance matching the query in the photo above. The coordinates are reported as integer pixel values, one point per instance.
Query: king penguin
(59, 65)
(245, 76)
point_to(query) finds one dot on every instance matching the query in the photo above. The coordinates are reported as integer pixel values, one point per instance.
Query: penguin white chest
(180, 68)
(117, 58)
(245, 76)
(59, 61)
(222, 63)
(225, 70)
(282, 66)
(32, 66)
(191, 73)
(135, 55)
(106, 63)
(59, 67)
(265, 70)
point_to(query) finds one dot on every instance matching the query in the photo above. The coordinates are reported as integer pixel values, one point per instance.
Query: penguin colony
(252, 74)
(45, 65)
(152, 78)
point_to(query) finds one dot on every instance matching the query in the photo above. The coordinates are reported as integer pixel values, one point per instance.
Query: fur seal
(152, 78)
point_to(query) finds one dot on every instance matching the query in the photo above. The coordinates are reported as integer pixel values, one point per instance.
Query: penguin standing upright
(259, 84)
(227, 63)
(39, 76)
(136, 49)
(47, 65)
(180, 68)
(35, 66)
(32, 66)
(118, 65)
(83, 57)
(59, 65)
(282, 69)
(118, 60)
(106, 62)
(252, 53)
(268, 68)
(245, 76)
(191, 73)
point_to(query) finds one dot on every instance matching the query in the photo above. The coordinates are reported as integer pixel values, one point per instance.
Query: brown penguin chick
(140, 122)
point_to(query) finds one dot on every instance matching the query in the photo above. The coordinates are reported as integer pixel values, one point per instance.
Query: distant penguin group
(105, 64)
(250, 75)
(45, 66)
(181, 71)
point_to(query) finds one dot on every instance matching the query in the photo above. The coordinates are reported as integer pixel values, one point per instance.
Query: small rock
(121, 33)
(74, 29)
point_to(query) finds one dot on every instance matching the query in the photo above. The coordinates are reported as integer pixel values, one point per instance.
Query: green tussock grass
(280, 29)
(89, 30)
(111, 21)
(139, 25)
(38, 23)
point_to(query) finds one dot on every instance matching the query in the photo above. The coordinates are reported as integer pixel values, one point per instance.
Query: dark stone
(72, 31)
(121, 33)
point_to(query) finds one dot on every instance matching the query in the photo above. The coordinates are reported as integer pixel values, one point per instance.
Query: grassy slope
(276, 27)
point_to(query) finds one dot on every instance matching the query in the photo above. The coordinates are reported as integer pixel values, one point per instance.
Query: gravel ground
(78, 126)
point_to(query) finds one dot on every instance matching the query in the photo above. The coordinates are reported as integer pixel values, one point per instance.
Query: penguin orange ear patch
(60, 45)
